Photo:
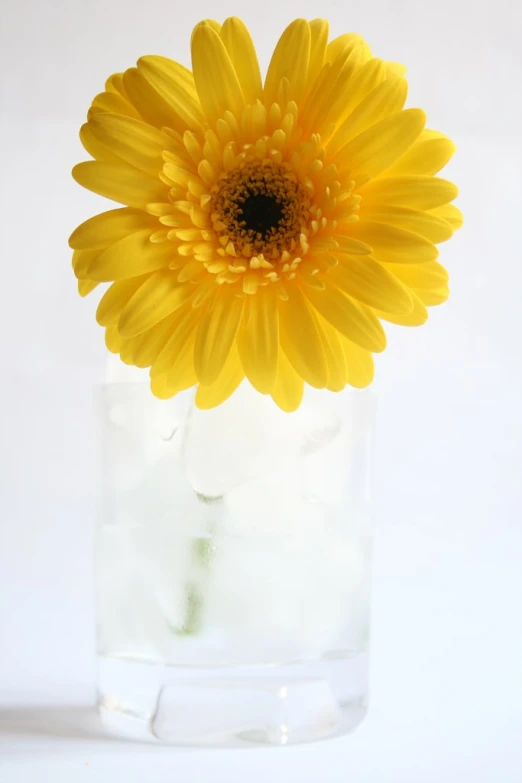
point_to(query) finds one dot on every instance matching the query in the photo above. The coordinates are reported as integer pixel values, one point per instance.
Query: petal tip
(207, 27)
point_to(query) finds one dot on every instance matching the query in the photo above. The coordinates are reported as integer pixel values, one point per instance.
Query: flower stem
(201, 563)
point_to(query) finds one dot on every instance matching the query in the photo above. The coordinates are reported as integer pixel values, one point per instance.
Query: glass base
(270, 704)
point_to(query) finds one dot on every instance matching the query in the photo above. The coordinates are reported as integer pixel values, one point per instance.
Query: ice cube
(140, 432)
(141, 578)
(334, 451)
(271, 503)
(297, 595)
(244, 438)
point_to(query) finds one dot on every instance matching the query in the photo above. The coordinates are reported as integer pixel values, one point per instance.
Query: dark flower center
(260, 213)
(259, 209)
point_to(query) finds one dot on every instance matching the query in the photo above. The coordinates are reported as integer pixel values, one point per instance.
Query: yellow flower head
(268, 228)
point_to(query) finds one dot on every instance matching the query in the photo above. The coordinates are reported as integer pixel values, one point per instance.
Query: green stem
(202, 551)
(201, 562)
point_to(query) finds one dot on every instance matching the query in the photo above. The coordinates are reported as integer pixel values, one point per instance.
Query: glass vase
(232, 566)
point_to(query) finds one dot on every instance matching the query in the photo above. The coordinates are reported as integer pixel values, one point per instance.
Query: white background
(447, 639)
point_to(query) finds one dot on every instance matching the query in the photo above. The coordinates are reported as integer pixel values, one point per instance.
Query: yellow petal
(433, 296)
(318, 44)
(182, 326)
(288, 390)
(127, 350)
(150, 344)
(181, 374)
(315, 98)
(417, 192)
(113, 340)
(390, 243)
(289, 61)
(334, 354)
(354, 320)
(428, 225)
(95, 148)
(369, 282)
(119, 182)
(174, 86)
(159, 388)
(108, 227)
(344, 45)
(300, 338)
(131, 140)
(190, 270)
(114, 103)
(359, 365)
(363, 82)
(216, 80)
(330, 102)
(376, 148)
(417, 317)
(347, 244)
(131, 256)
(427, 155)
(428, 275)
(387, 97)
(115, 298)
(225, 384)
(216, 334)
(212, 23)
(258, 340)
(81, 261)
(396, 69)
(450, 213)
(151, 106)
(115, 84)
(157, 298)
(86, 286)
(242, 53)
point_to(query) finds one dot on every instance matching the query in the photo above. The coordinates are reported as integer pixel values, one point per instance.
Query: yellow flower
(267, 228)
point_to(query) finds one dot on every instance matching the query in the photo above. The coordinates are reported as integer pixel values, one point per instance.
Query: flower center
(260, 208)
(260, 214)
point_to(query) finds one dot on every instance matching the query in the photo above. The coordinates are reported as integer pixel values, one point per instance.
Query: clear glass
(232, 566)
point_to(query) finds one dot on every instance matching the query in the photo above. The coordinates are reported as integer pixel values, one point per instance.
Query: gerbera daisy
(268, 228)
